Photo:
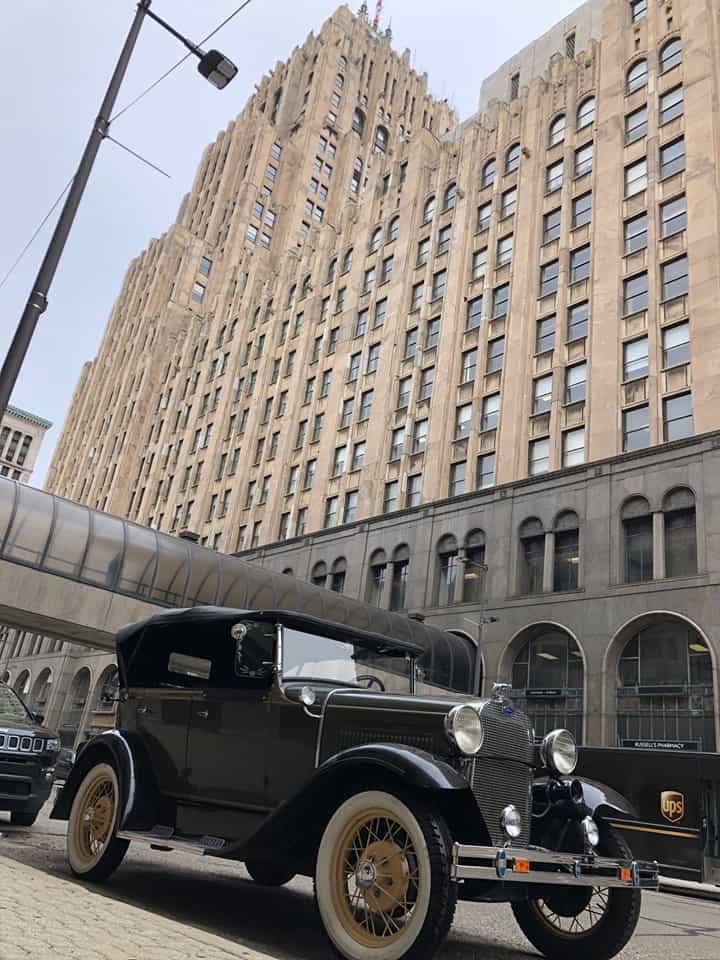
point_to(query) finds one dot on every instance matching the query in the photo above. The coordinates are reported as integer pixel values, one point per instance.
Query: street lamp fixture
(214, 66)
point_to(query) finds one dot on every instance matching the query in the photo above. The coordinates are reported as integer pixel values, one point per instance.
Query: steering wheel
(371, 680)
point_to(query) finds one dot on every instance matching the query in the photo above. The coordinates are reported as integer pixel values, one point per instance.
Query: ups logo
(672, 805)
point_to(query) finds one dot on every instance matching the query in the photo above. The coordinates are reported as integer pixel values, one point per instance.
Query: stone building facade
(371, 319)
(21, 434)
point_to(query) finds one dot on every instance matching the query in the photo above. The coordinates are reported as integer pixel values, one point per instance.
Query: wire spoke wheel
(575, 924)
(93, 849)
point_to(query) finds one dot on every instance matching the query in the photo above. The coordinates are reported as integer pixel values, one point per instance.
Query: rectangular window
(474, 313)
(292, 480)
(583, 160)
(265, 489)
(361, 323)
(271, 173)
(284, 530)
(495, 354)
(635, 294)
(350, 507)
(636, 428)
(677, 417)
(397, 443)
(340, 300)
(545, 334)
(339, 461)
(354, 367)
(373, 358)
(411, 337)
(427, 378)
(635, 359)
(672, 158)
(504, 251)
(485, 471)
(325, 383)
(479, 264)
(198, 291)
(638, 10)
(386, 269)
(673, 217)
(469, 366)
(438, 284)
(366, 399)
(635, 233)
(674, 278)
(484, 215)
(258, 209)
(333, 340)
(358, 457)
(636, 125)
(490, 414)
(577, 321)
(539, 457)
(301, 521)
(413, 493)
(671, 105)
(417, 296)
(309, 388)
(432, 333)
(549, 277)
(575, 382)
(404, 388)
(676, 345)
(205, 266)
(554, 176)
(581, 210)
(420, 435)
(463, 419)
(456, 485)
(250, 494)
(508, 202)
(317, 349)
(390, 496)
(573, 447)
(542, 394)
(301, 433)
(331, 507)
(423, 252)
(636, 177)
(368, 279)
(443, 244)
(346, 414)
(551, 225)
(580, 264)
(500, 297)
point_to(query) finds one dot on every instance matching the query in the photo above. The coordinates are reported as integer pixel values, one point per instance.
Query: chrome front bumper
(536, 865)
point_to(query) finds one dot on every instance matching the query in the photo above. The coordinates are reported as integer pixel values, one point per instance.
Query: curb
(688, 888)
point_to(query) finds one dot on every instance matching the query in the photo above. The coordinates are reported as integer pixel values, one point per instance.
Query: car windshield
(11, 708)
(308, 656)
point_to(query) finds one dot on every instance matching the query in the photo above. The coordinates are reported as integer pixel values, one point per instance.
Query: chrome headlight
(511, 821)
(465, 729)
(558, 751)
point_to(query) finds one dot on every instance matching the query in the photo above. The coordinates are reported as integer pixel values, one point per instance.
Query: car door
(161, 719)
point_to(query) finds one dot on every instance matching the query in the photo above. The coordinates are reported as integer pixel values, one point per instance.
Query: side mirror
(253, 656)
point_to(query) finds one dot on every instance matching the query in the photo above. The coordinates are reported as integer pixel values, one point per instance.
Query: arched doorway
(74, 707)
(664, 688)
(41, 691)
(104, 699)
(548, 679)
(22, 683)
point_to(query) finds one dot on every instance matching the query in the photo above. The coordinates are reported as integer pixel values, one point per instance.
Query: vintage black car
(28, 752)
(360, 758)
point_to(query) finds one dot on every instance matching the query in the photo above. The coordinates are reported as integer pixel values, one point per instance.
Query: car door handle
(203, 714)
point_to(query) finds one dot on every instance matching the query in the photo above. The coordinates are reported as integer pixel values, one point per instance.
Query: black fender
(294, 829)
(603, 802)
(139, 795)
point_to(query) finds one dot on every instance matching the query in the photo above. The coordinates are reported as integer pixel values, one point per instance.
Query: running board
(165, 838)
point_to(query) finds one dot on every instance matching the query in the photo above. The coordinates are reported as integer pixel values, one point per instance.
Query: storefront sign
(669, 745)
(542, 692)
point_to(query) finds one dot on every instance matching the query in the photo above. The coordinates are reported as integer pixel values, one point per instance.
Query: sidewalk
(45, 918)
(685, 888)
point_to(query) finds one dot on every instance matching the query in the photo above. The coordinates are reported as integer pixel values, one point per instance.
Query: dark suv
(362, 759)
(27, 759)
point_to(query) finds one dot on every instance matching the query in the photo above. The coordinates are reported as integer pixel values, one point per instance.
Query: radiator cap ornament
(501, 692)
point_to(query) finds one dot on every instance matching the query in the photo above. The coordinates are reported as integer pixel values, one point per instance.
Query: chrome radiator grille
(502, 771)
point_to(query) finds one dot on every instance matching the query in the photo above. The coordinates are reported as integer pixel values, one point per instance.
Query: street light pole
(37, 301)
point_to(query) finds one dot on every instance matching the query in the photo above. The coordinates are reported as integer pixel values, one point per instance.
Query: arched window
(41, 691)
(680, 533)
(665, 685)
(381, 139)
(291, 296)
(398, 586)
(473, 568)
(670, 54)
(557, 130)
(637, 524)
(318, 575)
(488, 173)
(532, 556)
(342, 62)
(637, 75)
(305, 287)
(337, 575)
(450, 196)
(347, 260)
(288, 572)
(393, 229)
(376, 578)
(512, 158)
(358, 123)
(585, 113)
(75, 703)
(5, 677)
(548, 681)
(339, 81)
(22, 683)
(428, 209)
(567, 551)
(375, 239)
(331, 270)
(446, 571)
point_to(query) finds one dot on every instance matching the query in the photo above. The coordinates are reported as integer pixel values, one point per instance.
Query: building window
(580, 264)
(487, 177)
(635, 294)
(368, 280)
(413, 493)
(501, 296)
(444, 239)
(485, 471)
(490, 413)
(573, 447)
(423, 252)
(397, 443)
(432, 333)
(484, 216)
(676, 345)
(446, 572)
(469, 366)
(428, 209)
(350, 506)
(637, 524)
(463, 420)
(670, 54)
(338, 467)
(198, 290)
(450, 196)
(512, 158)
(674, 279)
(399, 577)
(318, 576)
(585, 113)
(636, 77)
(514, 85)
(456, 485)
(635, 177)
(567, 552)
(581, 210)
(547, 680)
(361, 323)
(575, 382)
(479, 264)
(331, 507)
(583, 160)
(539, 457)
(636, 125)
(549, 277)
(636, 428)
(474, 313)
(635, 233)
(205, 266)
(635, 359)
(411, 337)
(672, 158)
(677, 417)
(504, 252)
(508, 202)
(427, 378)
(670, 105)
(542, 394)
(438, 284)
(358, 457)
(680, 533)
(495, 354)
(545, 334)
(358, 122)
(577, 321)
(417, 296)
(420, 435)
(404, 388)
(532, 557)
(309, 475)
(381, 140)
(638, 10)
(557, 130)
(390, 496)
(554, 176)
(551, 225)
(376, 578)
(375, 240)
(373, 358)
(673, 217)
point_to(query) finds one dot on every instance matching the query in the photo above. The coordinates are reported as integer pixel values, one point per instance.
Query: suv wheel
(382, 878)
(23, 818)
(93, 850)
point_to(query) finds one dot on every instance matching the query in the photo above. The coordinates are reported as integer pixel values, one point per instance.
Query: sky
(56, 57)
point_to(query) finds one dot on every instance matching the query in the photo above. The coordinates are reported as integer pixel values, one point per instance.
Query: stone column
(549, 562)
(658, 546)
